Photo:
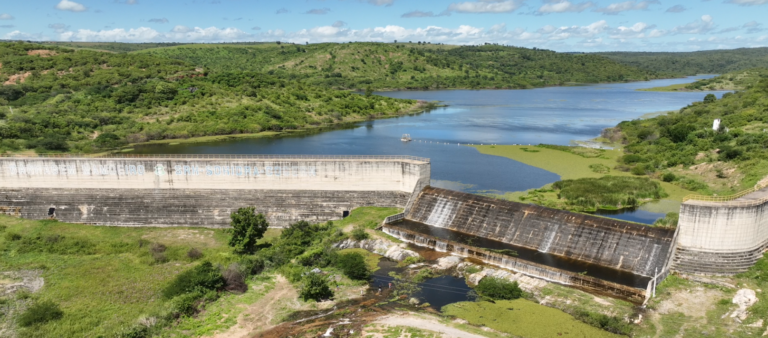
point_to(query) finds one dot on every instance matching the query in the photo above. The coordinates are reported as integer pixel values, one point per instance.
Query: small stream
(438, 292)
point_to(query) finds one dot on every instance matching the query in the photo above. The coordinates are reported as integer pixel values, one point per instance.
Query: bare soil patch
(202, 238)
(694, 302)
(424, 324)
(41, 52)
(17, 77)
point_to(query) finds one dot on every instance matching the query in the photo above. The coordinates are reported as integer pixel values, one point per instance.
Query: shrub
(159, 257)
(247, 229)
(39, 313)
(194, 254)
(315, 287)
(109, 140)
(410, 260)
(605, 322)
(668, 177)
(2, 228)
(253, 265)
(353, 266)
(12, 236)
(497, 288)
(638, 170)
(201, 277)
(234, 278)
(359, 233)
(157, 248)
(599, 168)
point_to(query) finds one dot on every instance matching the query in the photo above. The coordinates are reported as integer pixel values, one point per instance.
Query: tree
(247, 228)
(315, 287)
(710, 98)
(497, 288)
(353, 266)
(368, 91)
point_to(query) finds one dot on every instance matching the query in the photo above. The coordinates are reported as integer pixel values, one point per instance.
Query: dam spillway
(627, 254)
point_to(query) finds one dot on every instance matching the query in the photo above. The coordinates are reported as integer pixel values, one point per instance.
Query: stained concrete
(621, 245)
(722, 238)
(204, 190)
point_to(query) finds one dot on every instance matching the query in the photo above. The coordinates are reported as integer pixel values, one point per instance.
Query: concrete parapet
(722, 238)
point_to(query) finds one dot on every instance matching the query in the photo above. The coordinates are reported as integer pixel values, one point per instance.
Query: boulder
(379, 246)
(448, 262)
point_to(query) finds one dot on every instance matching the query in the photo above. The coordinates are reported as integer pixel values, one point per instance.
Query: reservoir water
(555, 115)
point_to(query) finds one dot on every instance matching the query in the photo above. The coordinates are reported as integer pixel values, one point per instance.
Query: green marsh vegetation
(524, 318)
(607, 192)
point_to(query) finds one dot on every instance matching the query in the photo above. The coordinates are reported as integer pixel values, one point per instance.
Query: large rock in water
(380, 246)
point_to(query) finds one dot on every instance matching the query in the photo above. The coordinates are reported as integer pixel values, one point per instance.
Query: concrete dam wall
(624, 246)
(169, 190)
(722, 238)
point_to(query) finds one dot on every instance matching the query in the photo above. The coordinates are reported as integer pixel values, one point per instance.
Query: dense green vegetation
(692, 63)
(407, 65)
(738, 80)
(608, 192)
(247, 229)
(498, 289)
(85, 101)
(116, 47)
(679, 140)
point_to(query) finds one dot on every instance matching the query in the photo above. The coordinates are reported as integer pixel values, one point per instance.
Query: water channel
(555, 115)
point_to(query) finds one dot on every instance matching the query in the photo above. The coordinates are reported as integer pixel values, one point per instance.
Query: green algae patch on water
(524, 318)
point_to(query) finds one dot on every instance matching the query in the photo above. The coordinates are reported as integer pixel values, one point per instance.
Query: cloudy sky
(562, 25)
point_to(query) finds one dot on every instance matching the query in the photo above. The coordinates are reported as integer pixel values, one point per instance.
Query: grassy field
(572, 166)
(106, 279)
(670, 88)
(523, 318)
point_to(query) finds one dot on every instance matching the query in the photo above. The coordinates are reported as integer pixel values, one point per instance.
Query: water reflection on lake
(556, 115)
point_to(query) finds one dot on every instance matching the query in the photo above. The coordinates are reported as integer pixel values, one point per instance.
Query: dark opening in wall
(51, 212)
(345, 214)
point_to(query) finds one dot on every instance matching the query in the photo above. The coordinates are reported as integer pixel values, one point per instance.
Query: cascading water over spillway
(442, 214)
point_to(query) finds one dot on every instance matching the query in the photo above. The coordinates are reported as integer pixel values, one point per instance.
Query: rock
(316, 270)
(758, 323)
(744, 298)
(413, 301)
(380, 246)
(448, 262)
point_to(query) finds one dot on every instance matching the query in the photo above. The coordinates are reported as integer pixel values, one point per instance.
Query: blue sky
(561, 25)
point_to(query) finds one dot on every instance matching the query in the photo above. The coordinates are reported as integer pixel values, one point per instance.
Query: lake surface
(555, 115)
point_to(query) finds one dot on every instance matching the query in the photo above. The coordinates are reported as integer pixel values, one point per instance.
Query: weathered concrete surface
(374, 174)
(178, 190)
(541, 271)
(188, 207)
(722, 238)
(626, 246)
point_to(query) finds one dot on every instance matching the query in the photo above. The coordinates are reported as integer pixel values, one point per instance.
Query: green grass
(570, 165)
(523, 318)
(670, 88)
(110, 285)
(371, 259)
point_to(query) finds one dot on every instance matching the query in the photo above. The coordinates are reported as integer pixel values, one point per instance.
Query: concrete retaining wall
(626, 246)
(721, 238)
(190, 191)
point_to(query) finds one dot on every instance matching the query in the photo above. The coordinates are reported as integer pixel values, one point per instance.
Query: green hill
(84, 101)
(692, 63)
(725, 160)
(737, 80)
(407, 65)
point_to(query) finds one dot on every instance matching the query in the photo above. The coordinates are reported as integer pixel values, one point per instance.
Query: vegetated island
(681, 152)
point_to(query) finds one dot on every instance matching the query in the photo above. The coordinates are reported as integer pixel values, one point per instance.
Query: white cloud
(256, 28)
(71, 6)
(6, 16)
(676, 9)
(380, 2)
(318, 11)
(158, 20)
(703, 25)
(418, 14)
(19, 35)
(617, 8)
(145, 34)
(485, 6)
(339, 24)
(636, 31)
(564, 6)
(748, 2)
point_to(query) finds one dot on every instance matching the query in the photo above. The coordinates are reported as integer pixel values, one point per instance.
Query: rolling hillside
(407, 65)
(692, 63)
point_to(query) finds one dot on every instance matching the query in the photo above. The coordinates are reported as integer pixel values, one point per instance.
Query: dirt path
(260, 315)
(425, 324)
